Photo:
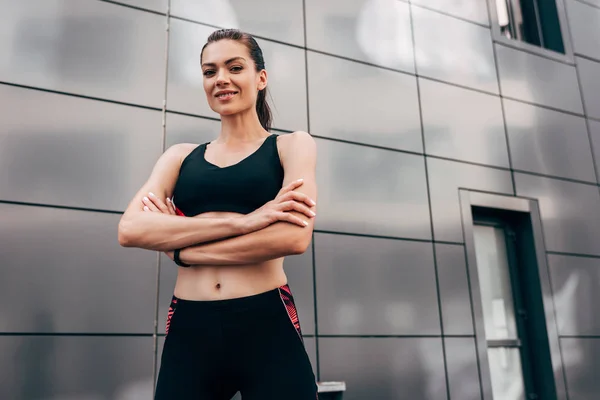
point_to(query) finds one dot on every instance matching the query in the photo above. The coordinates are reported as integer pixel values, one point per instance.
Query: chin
(228, 109)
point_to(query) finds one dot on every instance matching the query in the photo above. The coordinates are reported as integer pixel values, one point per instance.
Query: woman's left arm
(298, 153)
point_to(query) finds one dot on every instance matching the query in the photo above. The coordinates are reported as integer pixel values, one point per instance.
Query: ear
(262, 80)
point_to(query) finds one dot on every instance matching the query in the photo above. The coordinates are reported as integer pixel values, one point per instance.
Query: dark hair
(262, 107)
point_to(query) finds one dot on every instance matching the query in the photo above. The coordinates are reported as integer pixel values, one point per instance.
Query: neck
(241, 127)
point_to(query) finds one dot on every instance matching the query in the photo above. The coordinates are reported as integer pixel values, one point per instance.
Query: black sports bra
(241, 188)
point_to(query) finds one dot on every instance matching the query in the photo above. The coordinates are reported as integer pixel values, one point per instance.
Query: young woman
(247, 200)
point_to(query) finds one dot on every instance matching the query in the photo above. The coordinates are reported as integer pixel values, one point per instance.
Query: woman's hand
(153, 204)
(278, 209)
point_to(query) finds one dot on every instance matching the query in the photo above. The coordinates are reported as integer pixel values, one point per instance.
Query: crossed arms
(281, 227)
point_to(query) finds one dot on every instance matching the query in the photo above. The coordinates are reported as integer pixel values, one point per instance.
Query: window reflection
(506, 373)
(497, 300)
(494, 281)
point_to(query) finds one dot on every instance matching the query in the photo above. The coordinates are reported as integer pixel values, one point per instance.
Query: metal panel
(285, 65)
(532, 78)
(576, 287)
(589, 75)
(594, 127)
(463, 124)
(71, 367)
(369, 286)
(275, 19)
(454, 290)
(385, 368)
(581, 362)
(569, 212)
(310, 343)
(463, 371)
(454, 51)
(371, 191)
(502, 202)
(548, 142)
(376, 32)
(445, 178)
(363, 104)
(472, 10)
(160, 345)
(185, 129)
(299, 271)
(584, 21)
(63, 271)
(74, 152)
(153, 5)
(92, 48)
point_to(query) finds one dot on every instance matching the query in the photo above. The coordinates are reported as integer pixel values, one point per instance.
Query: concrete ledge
(327, 387)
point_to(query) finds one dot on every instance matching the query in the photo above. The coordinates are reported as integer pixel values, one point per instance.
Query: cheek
(207, 86)
(248, 87)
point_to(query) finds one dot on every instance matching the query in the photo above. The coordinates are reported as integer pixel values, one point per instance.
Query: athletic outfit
(251, 344)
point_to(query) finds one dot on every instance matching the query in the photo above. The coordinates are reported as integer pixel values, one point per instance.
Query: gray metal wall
(408, 102)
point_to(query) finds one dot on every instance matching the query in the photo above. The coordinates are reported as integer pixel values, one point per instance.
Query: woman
(248, 198)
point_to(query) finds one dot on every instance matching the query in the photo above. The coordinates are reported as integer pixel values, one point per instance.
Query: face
(231, 81)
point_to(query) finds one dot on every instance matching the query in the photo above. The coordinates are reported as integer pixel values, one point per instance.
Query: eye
(237, 68)
(208, 72)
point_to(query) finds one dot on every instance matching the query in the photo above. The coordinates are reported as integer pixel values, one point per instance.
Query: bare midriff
(219, 282)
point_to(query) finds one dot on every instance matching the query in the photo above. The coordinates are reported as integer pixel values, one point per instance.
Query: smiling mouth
(226, 96)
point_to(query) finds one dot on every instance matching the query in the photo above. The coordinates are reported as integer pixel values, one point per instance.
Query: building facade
(417, 107)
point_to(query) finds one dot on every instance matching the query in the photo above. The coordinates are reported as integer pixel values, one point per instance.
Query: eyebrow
(226, 62)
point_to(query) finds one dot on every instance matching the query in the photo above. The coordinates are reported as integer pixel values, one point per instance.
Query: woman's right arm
(163, 232)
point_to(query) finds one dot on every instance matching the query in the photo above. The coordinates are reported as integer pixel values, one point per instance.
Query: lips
(225, 95)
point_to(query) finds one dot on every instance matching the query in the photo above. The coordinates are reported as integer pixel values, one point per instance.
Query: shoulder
(296, 149)
(179, 151)
(296, 142)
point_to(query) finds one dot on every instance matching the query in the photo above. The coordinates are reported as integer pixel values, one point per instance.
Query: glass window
(531, 21)
(506, 373)
(497, 300)
(510, 317)
(494, 283)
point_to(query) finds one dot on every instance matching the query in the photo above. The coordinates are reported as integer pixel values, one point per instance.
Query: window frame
(567, 58)
(469, 199)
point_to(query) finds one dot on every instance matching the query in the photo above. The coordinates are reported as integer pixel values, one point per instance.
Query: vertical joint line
(580, 87)
(314, 269)
(163, 142)
(435, 269)
(510, 163)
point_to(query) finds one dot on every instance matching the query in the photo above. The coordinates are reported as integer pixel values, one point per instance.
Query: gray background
(407, 102)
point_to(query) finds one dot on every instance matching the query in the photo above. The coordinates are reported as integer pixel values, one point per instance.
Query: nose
(222, 78)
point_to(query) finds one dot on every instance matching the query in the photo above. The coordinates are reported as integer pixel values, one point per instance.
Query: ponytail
(263, 110)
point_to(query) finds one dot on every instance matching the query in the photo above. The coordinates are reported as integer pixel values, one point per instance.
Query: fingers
(297, 206)
(297, 196)
(149, 204)
(153, 203)
(288, 217)
(171, 206)
(294, 185)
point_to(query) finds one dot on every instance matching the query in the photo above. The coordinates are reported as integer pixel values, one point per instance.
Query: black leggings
(251, 344)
